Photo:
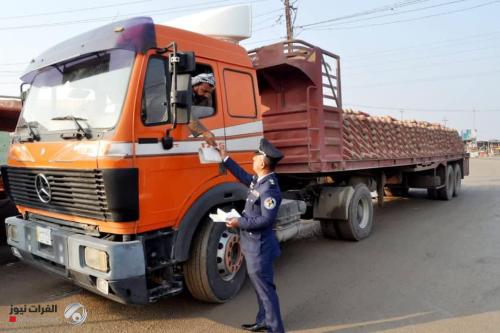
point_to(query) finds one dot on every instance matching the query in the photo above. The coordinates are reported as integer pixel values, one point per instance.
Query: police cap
(267, 149)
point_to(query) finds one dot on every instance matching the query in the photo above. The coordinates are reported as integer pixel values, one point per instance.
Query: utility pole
(445, 121)
(474, 119)
(288, 16)
(402, 112)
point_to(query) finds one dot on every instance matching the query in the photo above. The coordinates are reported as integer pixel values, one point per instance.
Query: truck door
(243, 126)
(170, 179)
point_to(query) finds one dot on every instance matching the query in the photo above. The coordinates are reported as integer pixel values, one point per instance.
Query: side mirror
(24, 89)
(185, 62)
(181, 98)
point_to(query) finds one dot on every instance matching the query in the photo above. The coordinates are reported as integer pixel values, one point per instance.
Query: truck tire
(446, 192)
(330, 229)
(458, 180)
(216, 269)
(360, 220)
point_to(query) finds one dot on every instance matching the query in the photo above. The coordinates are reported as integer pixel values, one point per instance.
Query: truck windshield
(92, 87)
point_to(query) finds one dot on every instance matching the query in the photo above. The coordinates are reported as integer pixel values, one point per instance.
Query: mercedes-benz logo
(42, 187)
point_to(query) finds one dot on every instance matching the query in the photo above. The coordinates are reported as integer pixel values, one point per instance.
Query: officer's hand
(232, 223)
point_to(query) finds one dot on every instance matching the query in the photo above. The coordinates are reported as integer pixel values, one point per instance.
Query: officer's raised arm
(234, 168)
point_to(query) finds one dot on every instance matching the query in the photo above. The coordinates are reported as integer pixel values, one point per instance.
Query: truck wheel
(216, 268)
(458, 180)
(360, 220)
(446, 192)
(330, 229)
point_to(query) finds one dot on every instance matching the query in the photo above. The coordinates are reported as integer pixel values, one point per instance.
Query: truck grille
(73, 192)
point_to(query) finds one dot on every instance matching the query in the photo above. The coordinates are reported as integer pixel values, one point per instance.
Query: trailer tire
(446, 192)
(330, 229)
(205, 279)
(458, 180)
(360, 217)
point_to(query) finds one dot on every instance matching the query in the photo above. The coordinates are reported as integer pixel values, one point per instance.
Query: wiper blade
(33, 136)
(86, 132)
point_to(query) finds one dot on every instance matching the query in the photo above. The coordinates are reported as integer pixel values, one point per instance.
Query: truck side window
(240, 97)
(155, 106)
(204, 100)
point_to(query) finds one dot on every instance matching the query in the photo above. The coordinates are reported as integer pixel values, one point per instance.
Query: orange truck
(108, 180)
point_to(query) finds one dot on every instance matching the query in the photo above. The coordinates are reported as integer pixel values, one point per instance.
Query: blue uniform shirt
(261, 208)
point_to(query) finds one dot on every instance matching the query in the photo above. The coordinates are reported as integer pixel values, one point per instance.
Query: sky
(434, 60)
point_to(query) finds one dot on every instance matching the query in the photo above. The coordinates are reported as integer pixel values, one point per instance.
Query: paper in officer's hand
(209, 155)
(222, 216)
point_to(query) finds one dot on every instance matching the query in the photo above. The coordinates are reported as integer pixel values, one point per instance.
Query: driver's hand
(210, 138)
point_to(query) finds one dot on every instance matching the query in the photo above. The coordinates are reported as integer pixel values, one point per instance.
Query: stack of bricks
(370, 137)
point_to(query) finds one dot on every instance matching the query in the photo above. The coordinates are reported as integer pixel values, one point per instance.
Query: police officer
(258, 241)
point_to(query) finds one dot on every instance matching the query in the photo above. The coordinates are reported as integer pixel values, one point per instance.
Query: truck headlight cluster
(12, 231)
(96, 259)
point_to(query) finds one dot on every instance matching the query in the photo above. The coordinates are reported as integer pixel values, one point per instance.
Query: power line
(397, 13)
(412, 67)
(415, 18)
(156, 12)
(74, 10)
(391, 7)
(400, 108)
(452, 53)
(429, 79)
(269, 12)
(441, 42)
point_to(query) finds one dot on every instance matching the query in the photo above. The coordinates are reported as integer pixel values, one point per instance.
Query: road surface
(429, 266)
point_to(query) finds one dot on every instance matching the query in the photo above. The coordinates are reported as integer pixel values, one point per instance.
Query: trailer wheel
(458, 180)
(446, 192)
(360, 220)
(330, 229)
(216, 269)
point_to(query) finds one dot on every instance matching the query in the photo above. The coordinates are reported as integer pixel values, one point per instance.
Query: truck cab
(105, 171)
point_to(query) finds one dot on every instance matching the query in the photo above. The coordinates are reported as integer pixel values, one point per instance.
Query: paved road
(429, 266)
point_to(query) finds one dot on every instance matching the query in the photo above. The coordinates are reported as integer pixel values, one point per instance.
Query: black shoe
(255, 327)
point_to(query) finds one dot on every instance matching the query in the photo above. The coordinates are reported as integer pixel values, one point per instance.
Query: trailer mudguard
(219, 195)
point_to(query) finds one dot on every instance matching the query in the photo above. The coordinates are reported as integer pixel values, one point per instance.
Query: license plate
(43, 235)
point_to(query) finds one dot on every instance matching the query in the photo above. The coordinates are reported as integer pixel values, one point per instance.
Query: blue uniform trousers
(260, 272)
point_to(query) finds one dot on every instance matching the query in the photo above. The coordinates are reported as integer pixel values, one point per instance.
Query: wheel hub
(362, 215)
(229, 255)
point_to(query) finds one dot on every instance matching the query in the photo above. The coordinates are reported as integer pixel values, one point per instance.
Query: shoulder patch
(270, 203)
(271, 181)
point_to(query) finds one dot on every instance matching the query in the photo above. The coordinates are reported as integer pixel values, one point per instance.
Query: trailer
(107, 176)
(10, 107)
(353, 153)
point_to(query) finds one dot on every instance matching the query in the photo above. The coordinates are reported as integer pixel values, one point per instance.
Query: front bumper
(65, 257)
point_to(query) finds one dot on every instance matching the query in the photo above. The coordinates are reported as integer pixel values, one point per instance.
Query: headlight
(96, 259)
(12, 231)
